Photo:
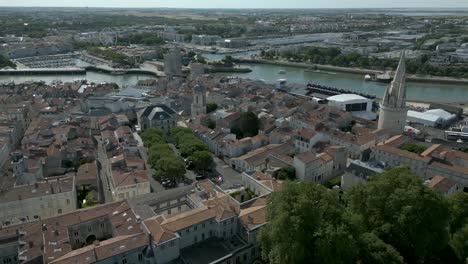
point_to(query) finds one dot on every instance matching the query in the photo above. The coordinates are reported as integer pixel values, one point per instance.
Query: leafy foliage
(202, 160)
(415, 148)
(404, 213)
(333, 56)
(114, 56)
(160, 155)
(170, 167)
(211, 107)
(247, 126)
(143, 38)
(287, 173)
(4, 62)
(393, 218)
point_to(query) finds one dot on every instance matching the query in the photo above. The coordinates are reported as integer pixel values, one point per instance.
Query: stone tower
(173, 63)
(393, 110)
(199, 102)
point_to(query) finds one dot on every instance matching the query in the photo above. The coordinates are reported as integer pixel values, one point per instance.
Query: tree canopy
(394, 218)
(287, 173)
(202, 160)
(247, 125)
(161, 157)
(4, 62)
(211, 107)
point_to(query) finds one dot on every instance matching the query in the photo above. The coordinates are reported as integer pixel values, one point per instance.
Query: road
(231, 178)
(105, 171)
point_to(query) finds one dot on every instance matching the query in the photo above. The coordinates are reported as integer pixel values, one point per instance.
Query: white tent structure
(431, 118)
(359, 106)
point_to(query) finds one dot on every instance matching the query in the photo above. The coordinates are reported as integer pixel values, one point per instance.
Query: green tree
(459, 243)
(311, 216)
(372, 250)
(153, 136)
(249, 124)
(158, 151)
(189, 147)
(4, 62)
(458, 203)
(179, 132)
(211, 107)
(202, 160)
(403, 213)
(171, 168)
(287, 173)
(211, 124)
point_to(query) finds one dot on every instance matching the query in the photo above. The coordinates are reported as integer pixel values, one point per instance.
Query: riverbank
(409, 77)
(227, 70)
(76, 71)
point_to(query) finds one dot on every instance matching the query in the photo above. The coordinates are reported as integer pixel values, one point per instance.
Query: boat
(367, 77)
(282, 72)
(385, 77)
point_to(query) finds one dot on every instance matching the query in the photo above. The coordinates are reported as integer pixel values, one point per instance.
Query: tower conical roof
(395, 95)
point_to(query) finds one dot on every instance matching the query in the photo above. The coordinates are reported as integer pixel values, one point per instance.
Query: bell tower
(393, 109)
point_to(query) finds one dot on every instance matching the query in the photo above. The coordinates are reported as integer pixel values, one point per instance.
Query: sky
(243, 3)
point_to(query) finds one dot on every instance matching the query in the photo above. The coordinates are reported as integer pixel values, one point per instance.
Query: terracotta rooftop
(87, 173)
(104, 250)
(253, 217)
(442, 184)
(129, 178)
(307, 157)
(43, 188)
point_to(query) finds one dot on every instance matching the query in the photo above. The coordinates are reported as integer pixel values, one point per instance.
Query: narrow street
(105, 171)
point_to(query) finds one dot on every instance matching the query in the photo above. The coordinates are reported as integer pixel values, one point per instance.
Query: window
(124, 261)
(172, 243)
(203, 225)
(140, 257)
(169, 211)
(188, 230)
(59, 211)
(179, 208)
(68, 201)
(195, 239)
(203, 236)
(76, 233)
(196, 227)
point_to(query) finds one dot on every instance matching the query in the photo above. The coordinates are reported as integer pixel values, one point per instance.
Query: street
(105, 172)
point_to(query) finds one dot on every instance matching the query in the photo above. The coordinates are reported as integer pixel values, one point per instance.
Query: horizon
(259, 4)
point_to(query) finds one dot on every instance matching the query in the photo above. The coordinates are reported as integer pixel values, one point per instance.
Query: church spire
(395, 95)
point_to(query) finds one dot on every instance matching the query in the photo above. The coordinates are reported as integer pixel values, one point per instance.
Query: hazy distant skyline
(243, 3)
